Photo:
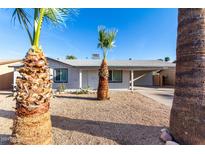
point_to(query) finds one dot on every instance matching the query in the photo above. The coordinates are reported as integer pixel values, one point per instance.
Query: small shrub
(61, 88)
(82, 91)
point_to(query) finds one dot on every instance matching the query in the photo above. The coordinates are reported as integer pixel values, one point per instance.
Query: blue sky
(142, 34)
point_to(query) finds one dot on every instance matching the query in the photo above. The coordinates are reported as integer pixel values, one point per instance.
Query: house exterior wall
(73, 75)
(90, 76)
(90, 79)
(74, 78)
(6, 76)
(169, 75)
(146, 80)
(156, 80)
(125, 81)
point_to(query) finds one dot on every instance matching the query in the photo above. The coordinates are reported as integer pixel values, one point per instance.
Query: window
(115, 76)
(60, 75)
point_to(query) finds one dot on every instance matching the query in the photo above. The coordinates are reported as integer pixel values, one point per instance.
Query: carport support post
(132, 82)
(80, 79)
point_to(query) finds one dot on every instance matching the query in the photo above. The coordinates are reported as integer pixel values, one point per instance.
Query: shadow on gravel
(122, 133)
(78, 97)
(168, 96)
(4, 139)
(128, 134)
(7, 114)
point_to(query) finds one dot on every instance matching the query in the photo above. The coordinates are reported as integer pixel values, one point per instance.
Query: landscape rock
(71, 112)
(165, 136)
(171, 143)
(164, 130)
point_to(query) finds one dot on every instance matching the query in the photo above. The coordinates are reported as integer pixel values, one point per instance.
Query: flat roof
(8, 61)
(114, 63)
(120, 63)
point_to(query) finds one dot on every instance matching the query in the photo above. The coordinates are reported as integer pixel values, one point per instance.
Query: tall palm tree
(106, 41)
(187, 121)
(32, 124)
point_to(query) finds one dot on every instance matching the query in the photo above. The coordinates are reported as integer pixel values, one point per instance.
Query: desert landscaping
(127, 118)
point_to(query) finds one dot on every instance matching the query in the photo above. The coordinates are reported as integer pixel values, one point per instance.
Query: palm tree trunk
(103, 86)
(32, 124)
(187, 121)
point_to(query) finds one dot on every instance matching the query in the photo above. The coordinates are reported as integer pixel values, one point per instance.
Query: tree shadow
(6, 93)
(122, 133)
(168, 96)
(78, 97)
(7, 114)
(127, 134)
(4, 139)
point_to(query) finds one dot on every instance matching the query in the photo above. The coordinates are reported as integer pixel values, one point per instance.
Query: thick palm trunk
(32, 124)
(187, 121)
(103, 86)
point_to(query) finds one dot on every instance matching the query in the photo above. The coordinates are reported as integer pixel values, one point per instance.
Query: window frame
(115, 81)
(54, 75)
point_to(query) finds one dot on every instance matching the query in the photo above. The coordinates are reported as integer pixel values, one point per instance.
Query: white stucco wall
(90, 79)
(54, 65)
(73, 75)
(125, 81)
(74, 78)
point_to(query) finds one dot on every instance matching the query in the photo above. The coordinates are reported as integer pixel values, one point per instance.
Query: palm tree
(32, 124)
(166, 59)
(187, 121)
(106, 41)
(71, 57)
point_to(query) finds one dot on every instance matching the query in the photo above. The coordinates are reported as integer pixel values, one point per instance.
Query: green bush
(82, 91)
(61, 88)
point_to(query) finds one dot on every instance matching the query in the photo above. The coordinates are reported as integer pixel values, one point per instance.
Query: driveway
(161, 95)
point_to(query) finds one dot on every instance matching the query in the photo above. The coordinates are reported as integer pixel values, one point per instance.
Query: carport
(145, 76)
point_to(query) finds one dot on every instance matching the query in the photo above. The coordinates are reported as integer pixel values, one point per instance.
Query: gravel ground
(127, 118)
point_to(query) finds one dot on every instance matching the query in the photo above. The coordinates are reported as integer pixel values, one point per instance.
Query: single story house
(6, 73)
(123, 74)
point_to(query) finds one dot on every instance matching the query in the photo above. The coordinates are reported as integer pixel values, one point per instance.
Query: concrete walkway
(161, 95)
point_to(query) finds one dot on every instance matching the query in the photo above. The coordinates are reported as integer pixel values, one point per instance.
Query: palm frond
(102, 36)
(58, 16)
(106, 37)
(111, 38)
(55, 16)
(23, 18)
